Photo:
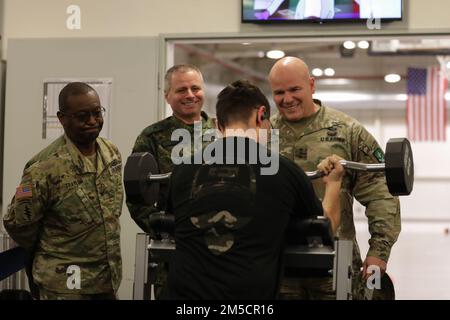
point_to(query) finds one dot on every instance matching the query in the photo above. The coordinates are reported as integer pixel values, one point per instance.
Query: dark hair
(72, 89)
(237, 101)
(179, 68)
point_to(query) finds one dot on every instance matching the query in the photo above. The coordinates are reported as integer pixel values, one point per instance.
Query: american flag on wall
(426, 105)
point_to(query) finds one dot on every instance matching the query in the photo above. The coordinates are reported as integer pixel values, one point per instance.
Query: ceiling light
(363, 44)
(354, 96)
(334, 82)
(316, 72)
(349, 45)
(392, 78)
(246, 43)
(275, 54)
(329, 72)
(261, 54)
(448, 65)
(343, 96)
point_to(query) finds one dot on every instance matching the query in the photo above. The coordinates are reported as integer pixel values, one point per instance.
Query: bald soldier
(66, 209)
(184, 92)
(309, 132)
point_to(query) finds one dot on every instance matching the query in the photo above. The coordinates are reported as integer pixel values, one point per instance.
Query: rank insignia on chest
(332, 132)
(332, 139)
(301, 153)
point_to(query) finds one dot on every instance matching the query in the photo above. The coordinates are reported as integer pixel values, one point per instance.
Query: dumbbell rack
(339, 259)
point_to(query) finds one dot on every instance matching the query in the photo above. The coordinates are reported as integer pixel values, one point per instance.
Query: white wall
(2, 93)
(429, 199)
(111, 18)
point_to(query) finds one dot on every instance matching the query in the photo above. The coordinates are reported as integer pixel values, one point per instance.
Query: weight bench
(314, 250)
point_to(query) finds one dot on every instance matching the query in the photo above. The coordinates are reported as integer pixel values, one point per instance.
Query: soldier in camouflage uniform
(66, 209)
(184, 93)
(309, 132)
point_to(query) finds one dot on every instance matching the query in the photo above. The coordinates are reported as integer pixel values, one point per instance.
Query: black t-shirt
(230, 223)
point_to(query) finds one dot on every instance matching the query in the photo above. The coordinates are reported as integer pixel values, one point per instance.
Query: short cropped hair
(237, 101)
(178, 68)
(72, 89)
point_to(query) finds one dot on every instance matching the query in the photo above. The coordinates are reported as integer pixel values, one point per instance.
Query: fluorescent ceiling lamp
(392, 78)
(275, 54)
(316, 72)
(353, 96)
(363, 44)
(343, 96)
(329, 72)
(349, 45)
(334, 82)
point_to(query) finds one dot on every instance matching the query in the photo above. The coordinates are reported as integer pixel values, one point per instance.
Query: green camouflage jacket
(156, 139)
(333, 132)
(68, 212)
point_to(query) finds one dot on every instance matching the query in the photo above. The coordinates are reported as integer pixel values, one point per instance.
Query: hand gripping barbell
(142, 179)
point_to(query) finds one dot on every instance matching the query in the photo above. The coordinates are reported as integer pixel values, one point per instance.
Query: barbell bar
(142, 180)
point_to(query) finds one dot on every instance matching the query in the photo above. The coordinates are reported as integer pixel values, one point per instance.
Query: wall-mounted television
(260, 11)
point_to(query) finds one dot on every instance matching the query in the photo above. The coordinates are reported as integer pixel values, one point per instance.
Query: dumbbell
(141, 177)
(398, 167)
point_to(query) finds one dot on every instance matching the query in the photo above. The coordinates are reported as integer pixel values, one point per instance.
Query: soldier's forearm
(331, 204)
(380, 249)
(141, 215)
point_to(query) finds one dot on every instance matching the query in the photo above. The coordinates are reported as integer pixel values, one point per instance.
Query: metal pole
(342, 275)
(141, 266)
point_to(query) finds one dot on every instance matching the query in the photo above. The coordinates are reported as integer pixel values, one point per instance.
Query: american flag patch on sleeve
(23, 192)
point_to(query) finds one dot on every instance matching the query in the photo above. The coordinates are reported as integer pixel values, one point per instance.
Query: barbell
(141, 174)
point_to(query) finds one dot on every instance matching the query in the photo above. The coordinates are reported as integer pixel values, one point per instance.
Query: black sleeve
(306, 202)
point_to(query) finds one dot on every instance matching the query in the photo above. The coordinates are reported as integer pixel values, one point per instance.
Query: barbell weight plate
(386, 290)
(137, 170)
(399, 168)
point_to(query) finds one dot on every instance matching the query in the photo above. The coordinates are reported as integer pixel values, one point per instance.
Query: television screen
(320, 10)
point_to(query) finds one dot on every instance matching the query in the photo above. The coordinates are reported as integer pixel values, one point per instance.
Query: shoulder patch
(24, 191)
(379, 155)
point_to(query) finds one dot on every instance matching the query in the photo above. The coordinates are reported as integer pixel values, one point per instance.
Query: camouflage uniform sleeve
(26, 211)
(370, 189)
(140, 212)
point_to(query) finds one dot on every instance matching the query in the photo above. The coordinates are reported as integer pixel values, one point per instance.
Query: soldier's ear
(166, 94)
(60, 117)
(312, 84)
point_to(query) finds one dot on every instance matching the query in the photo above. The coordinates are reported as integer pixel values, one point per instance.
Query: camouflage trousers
(317, 288)
(50, 295)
